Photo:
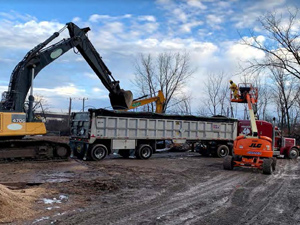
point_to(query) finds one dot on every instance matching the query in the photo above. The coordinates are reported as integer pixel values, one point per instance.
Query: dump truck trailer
(99, 132)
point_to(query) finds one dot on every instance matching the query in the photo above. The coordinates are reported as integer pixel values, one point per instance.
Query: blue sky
(120, 30)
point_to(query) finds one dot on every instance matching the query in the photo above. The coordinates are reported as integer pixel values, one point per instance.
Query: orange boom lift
(251, 151)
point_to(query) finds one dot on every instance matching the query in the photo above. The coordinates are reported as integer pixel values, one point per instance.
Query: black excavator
(17, 120)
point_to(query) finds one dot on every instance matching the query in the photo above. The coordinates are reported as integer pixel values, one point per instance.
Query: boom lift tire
(228, 163)
(98, 152)
(124, 153)
(143, 152)
(274, 163)
(268, 166)
(237, 158)
(293, 153)
(222, 151)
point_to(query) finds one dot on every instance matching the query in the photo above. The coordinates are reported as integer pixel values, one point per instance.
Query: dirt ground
(169, 188)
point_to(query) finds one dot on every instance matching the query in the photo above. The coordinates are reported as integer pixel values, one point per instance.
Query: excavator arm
(159, 102)
(35, 60)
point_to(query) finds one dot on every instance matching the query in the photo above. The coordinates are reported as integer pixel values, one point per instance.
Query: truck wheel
(124, 153)
(144, 152)
(228, 163)
(293, 153)
(222, 151)
(98, 152)
(267, 166)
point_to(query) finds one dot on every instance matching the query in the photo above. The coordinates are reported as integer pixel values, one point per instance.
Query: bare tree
(168, 72)
(217, 92)
(281, 46)
(183, 104)
(286, 91)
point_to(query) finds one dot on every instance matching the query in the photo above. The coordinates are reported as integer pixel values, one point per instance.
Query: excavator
(251, 150)
(17, 119)
(159, 100)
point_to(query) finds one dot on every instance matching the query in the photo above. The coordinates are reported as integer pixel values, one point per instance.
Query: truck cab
(282, 146)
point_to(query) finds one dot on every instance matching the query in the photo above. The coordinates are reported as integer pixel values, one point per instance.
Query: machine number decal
(17, 118)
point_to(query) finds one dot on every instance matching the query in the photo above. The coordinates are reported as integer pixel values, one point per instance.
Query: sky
(209, 30)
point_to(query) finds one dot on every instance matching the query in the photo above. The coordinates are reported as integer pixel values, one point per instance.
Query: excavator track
(31, 149)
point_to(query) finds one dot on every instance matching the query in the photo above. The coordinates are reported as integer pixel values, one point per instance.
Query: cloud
(240, 51)
(197, 4)
(214, 21)
(187, 27)
(70, 90)
(148, 18)
(95, 18)
(26, 35)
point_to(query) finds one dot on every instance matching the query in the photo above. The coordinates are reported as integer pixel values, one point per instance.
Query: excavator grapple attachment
(122, 100)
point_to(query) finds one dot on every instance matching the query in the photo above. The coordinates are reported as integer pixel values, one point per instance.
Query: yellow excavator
(159, 102)
(17, 117)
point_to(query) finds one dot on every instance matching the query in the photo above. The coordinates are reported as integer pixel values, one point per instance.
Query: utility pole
(70, 107)
(83, 101)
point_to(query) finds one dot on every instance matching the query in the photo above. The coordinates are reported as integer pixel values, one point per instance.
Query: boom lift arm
(36, 59)
(251, 151)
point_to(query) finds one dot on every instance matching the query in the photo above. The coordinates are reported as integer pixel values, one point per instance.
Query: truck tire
(222, 151)
(267, 166)
(143, 152)
(228, 163)
(124, 153)
(293, 153)
(98, 152)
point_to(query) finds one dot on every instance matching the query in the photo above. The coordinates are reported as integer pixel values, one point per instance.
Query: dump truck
(99, 132)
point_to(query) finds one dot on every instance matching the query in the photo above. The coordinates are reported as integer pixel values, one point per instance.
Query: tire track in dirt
(211, 197)
(273, 195)
(202, 198)
(263, 200)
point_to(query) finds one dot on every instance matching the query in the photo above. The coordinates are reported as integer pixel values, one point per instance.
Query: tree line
(276, 76)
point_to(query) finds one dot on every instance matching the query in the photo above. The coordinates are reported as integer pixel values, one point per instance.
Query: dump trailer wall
(108, 127)
(130, 125)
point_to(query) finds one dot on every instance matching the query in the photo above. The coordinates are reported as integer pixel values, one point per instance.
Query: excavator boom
(39, 57)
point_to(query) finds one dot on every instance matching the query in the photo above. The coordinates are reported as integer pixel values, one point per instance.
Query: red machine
(251, 150)
(282, 146)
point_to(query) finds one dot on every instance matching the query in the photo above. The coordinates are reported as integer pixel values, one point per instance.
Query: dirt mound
(15, 205)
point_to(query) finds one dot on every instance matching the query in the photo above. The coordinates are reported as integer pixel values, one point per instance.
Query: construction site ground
(169, 188)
